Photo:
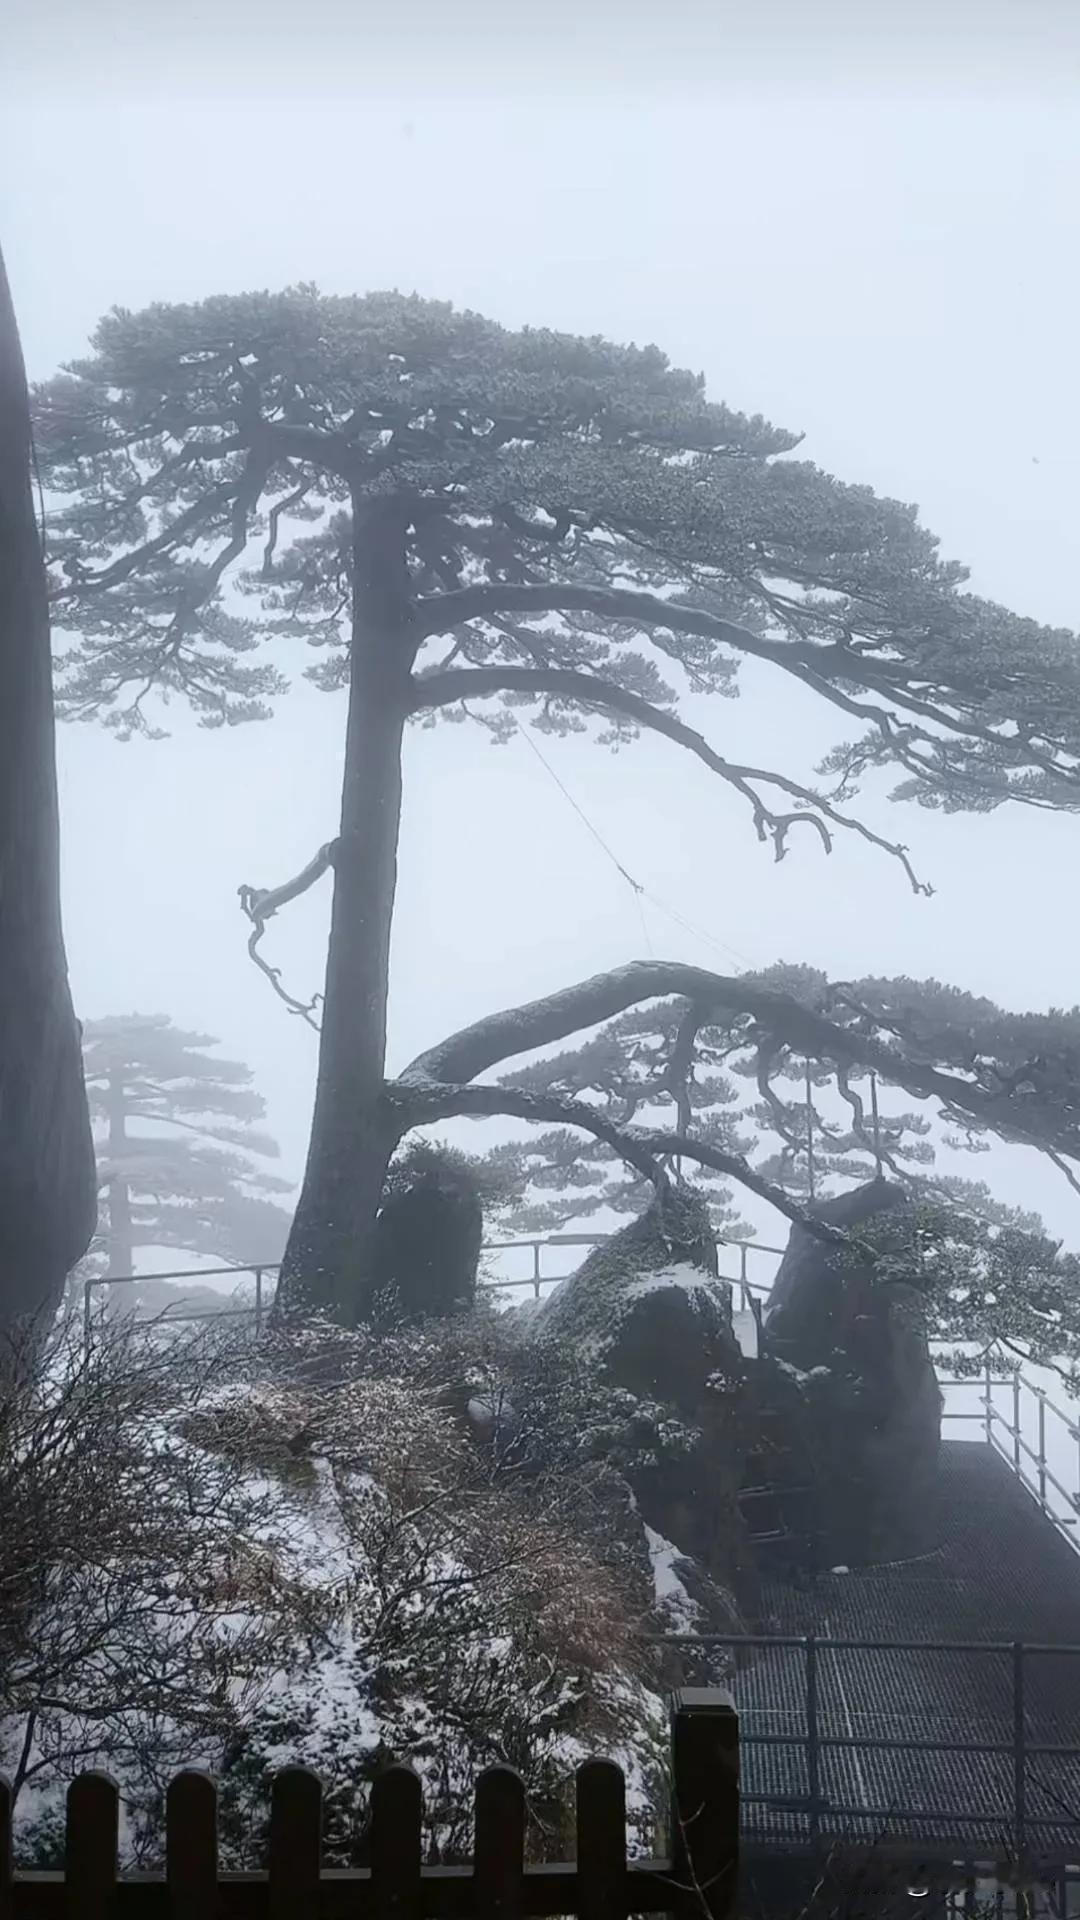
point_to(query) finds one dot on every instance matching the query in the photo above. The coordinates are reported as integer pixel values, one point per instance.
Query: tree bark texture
(354, 1127)
(48, 1199)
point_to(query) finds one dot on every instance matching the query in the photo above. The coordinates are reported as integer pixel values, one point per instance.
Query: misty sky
(872, 236)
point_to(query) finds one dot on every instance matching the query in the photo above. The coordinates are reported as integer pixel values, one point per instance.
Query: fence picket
(705, 1800)
(191, 1845)
(7, 1904)
(396, 1858)
(496, 1885)
(295, 1844)
(601, 1841)
(90, 1846)
(499, 1846)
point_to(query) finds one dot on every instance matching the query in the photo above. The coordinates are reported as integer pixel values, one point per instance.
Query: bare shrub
(143, 1597)
(480, 1617)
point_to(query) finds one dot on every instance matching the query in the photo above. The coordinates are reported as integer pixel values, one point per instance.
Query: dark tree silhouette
(470, 521)
(46, 1155)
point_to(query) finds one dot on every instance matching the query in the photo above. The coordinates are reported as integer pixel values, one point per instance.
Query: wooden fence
(699, 1879)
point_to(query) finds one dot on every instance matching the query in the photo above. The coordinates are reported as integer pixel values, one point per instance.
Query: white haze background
(862, 222)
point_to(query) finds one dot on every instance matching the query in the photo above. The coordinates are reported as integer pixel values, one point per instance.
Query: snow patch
(744, 1327)
(672, 1599)
(689, 1279)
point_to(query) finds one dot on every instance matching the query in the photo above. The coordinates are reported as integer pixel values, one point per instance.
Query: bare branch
(261, 903)
(274, 521)
(445, 688)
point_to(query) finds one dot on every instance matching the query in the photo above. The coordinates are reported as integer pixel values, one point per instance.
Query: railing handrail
(814, 1803)
(180, 1273)
(535, 1245)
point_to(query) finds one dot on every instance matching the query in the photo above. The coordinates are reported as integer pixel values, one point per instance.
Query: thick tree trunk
(48, 1199)
(354, 1130)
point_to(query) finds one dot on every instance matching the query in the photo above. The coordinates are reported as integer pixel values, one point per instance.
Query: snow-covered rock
(649, 1311)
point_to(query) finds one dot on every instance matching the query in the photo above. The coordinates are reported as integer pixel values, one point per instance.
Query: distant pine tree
(175, 1139)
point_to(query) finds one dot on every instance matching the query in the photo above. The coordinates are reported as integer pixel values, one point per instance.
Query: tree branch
(810, 661)
(175, 534)
(442, 612)
(261, 903)
(425, 1103)
(679, 1073)
(465, 1055)
(442, 689)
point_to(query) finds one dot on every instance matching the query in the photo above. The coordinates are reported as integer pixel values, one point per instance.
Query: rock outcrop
(649, 1311)
(856, 1345)
(428, 1236)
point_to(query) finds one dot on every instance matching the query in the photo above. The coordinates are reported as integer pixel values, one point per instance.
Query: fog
(869, 233)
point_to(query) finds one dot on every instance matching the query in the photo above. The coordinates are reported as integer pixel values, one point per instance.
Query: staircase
(777, 1503)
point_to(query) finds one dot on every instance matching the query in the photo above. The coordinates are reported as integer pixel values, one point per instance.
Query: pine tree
(177, 1148)
(473, 522)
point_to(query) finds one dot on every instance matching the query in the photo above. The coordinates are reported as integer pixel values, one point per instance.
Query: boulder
(647, 1308)
(857, 1347)
(428, 1236)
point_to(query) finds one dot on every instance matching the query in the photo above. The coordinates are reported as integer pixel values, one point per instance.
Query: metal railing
(1006, 1431)
(534, 1282)
(1011, 1707)
(256, 1311)
(538, 1279)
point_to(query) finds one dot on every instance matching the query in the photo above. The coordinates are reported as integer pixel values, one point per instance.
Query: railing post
(537, 1244)
(1041, 1463)
(989, 1405)
(705, 1798)
(745, 1291)
(813, 1750)
(258, 1299)
(1019, 1767)
(1017, 1459)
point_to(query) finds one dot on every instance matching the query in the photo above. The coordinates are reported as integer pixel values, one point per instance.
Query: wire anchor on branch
(261, 903)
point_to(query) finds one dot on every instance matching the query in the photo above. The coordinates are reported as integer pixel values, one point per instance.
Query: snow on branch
(829, 668)
(643, 1150)
(1017, 1108)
